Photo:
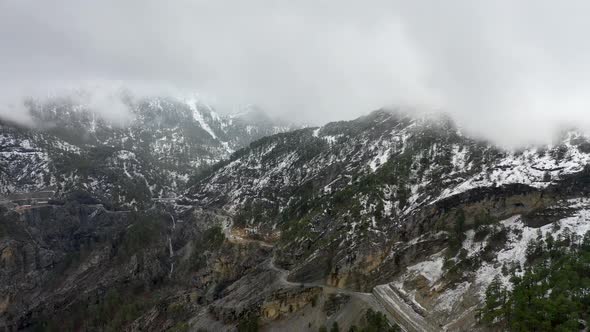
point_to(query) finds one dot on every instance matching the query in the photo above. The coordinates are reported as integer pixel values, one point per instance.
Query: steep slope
(154, 154)
(391, 198)
(387, 213)
(430, 157)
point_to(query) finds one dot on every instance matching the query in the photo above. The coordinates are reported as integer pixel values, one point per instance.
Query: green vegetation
(249, 323)
(375, 322)
(180, 327)
(101, 163)
(483, 219)
(255, 212)
(496, 240)
(458, 234)
(335, 327)
(3, 229)
(111, 313)
(481, 232)
(204, 171)
(553, 293)
(295, 229)
(210, 240)
(143, 232)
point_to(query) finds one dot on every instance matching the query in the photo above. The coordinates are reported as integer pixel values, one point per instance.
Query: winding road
(383, 298)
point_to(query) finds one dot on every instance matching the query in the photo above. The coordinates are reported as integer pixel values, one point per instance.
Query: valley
(388, 220)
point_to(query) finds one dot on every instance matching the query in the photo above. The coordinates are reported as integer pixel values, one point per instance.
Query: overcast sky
(512, 71)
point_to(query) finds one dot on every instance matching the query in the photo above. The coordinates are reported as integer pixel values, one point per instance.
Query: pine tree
(551, 295)
(335, 327)
(493, 312)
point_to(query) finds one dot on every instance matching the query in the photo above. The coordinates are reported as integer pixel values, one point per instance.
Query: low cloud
(105, 100)
(512, 72)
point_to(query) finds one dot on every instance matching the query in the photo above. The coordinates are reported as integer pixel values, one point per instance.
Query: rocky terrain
(387, 220)
(153, 154)
(391, 204)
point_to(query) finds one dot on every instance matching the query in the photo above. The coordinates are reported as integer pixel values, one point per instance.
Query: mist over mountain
(511, 72)
(294, 166)
(186, 219)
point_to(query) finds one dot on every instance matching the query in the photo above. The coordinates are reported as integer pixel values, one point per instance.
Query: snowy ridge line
(526, 168)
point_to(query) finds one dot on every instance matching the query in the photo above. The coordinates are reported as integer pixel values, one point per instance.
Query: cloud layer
(513, 71)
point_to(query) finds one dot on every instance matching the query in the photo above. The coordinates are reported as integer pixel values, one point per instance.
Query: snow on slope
(520, 236)
(530, 167)
(440, 162)
(192, 103)
(513, 253)
(26, 163)
(440, 302)
(431, 269)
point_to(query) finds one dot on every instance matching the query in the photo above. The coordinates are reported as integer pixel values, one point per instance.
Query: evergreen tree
(335, 327)
(494, 310)
(552, 294)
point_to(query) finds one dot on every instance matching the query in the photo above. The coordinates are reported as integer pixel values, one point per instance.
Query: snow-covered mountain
(391, 203)
(68, 146)
(411, 162)
(300, 229)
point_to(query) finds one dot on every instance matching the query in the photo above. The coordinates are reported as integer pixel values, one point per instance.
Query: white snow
(380, 159)
(430, 269)
(192, 103)
(451, 297)
(125, 155)
(331, 139)
(316, 132)
(226, 147)
(470, 245)
(519, 238)
(526, 167)
(451, 300)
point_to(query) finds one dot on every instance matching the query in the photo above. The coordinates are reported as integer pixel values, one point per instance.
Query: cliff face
(56, 258)
(79, 266)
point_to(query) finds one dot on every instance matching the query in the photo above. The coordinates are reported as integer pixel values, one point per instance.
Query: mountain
(69, 146)
(405, 207)
(388, 221)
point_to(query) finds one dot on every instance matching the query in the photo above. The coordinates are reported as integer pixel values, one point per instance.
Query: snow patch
(430, 269)
(192, 103)
(316, 132)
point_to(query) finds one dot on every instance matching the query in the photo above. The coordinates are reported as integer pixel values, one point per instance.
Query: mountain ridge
(401, 214)
(163, 145)
(340, 201)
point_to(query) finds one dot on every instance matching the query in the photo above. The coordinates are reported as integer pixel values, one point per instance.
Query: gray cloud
(510, 71)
